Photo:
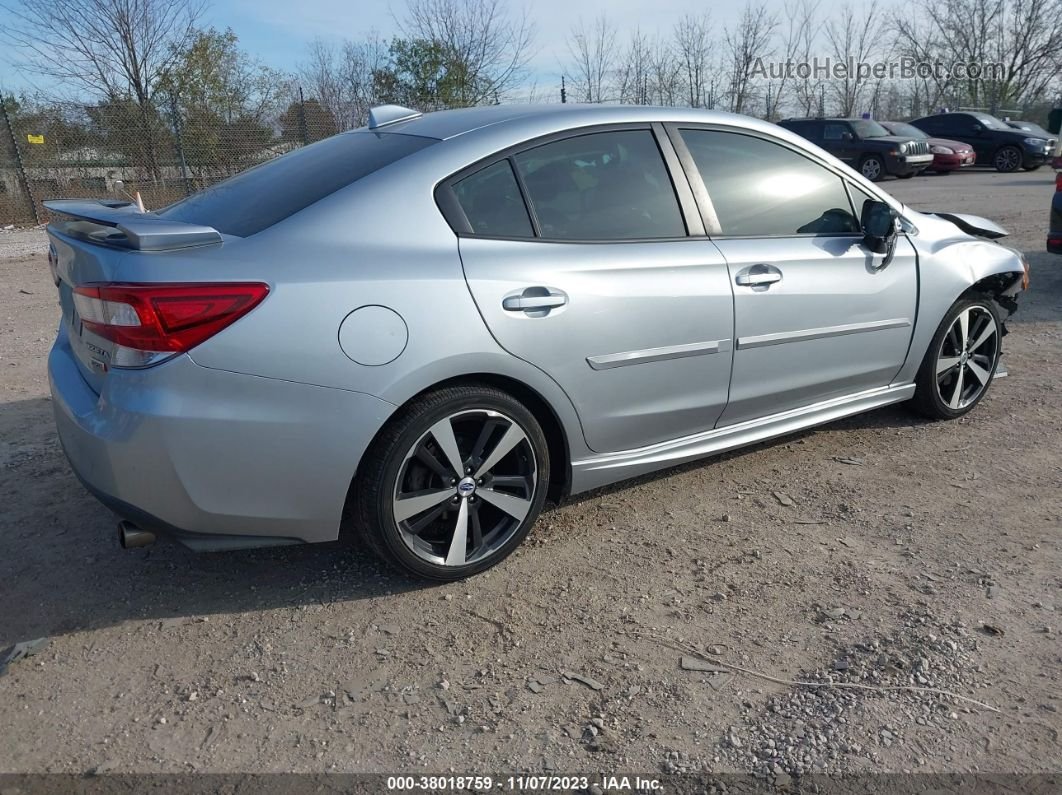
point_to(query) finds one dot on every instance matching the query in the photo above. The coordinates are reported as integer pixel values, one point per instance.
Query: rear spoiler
(134, 229)
(974, 225)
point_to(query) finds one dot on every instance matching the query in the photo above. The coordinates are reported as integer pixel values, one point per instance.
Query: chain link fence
(114, 150)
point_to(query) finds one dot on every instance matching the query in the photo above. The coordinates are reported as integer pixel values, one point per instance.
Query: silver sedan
(430, 325)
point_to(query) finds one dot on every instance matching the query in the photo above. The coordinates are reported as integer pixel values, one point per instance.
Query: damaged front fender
(950, 263)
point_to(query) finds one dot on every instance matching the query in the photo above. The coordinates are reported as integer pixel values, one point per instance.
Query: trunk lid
(89, 240)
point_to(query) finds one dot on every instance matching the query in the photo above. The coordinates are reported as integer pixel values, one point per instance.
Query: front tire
(1007, 159)
(961, 360)
(454, 483)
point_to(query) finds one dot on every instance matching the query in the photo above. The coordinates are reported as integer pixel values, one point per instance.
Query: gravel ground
(882, 551)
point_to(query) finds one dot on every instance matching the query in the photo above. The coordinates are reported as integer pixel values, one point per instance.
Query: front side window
(492, 202)
(760, 188)
(867, 128)
(601, 186)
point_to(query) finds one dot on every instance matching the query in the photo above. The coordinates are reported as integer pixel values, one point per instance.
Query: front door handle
(535, 299)
(759, 276)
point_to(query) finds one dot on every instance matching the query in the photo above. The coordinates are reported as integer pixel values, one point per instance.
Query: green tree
(222, 101)
(425, 74)
(304, 122)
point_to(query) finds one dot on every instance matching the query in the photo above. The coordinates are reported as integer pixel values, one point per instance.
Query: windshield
(991, 122)
(865, 128)
(906, 130)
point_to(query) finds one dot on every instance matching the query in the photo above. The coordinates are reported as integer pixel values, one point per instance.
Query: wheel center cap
(964, 358)
(467, 487)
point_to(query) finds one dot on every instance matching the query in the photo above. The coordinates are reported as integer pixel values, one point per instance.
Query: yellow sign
(34, 139)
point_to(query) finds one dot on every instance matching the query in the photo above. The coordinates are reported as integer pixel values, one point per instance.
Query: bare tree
(666, 79)
(343, 77)
(693, 48)
(1024, 37)
(854, 39)
(799, 40)
(488, 46)
(112, 49)
(593, 52)
(744, 45)
(634, 78)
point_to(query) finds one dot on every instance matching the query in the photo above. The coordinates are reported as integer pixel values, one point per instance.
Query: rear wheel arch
(552, 427)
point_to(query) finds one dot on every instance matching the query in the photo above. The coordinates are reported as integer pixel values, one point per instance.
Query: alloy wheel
(967, 357)
(465, 487)
(1008, 159)
(871, 169)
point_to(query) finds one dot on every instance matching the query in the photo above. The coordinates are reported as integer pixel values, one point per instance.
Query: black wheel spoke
(426, 457)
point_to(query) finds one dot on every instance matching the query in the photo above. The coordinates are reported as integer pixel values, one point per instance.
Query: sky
(278, 31)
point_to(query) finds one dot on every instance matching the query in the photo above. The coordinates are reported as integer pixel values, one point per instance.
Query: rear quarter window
(266, 194)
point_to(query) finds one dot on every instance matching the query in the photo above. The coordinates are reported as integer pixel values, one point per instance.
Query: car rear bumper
(216, 459)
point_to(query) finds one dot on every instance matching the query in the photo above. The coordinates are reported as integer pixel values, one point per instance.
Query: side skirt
(601, 470)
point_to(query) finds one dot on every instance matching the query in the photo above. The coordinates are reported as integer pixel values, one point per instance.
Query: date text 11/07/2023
(524, 783)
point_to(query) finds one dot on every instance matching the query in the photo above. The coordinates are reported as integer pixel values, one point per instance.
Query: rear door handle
(758, 276)
(534, 299)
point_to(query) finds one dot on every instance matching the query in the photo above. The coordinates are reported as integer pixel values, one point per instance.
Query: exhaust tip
(130, 536)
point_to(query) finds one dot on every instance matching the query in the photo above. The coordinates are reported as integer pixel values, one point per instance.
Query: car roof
(533, 119)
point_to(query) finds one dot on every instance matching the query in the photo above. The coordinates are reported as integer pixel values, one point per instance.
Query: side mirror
(878, 221)
(976, 128)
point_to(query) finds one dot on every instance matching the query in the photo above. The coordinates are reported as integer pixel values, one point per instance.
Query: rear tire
(960, 363)
(872, 167)
(453, 483)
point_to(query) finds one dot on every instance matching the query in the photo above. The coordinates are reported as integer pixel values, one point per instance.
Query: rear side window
(492, 202)
(762, 189)
(268, 193)
(808, 129)
(835, 131)
(601, 186)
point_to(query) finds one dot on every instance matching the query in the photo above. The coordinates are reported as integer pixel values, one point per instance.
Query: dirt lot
(903, 540)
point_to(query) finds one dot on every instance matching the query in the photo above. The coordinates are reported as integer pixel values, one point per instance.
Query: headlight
(903, 148)
(1036, 143)
(941, 150)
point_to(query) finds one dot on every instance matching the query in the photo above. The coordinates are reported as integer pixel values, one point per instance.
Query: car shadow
(62, 570)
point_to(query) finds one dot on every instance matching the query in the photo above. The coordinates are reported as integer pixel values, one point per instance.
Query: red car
(948, 155)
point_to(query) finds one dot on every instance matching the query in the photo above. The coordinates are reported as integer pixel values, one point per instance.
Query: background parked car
(1005, 148)
(865, 145)
(948, 155)
(1028, 126)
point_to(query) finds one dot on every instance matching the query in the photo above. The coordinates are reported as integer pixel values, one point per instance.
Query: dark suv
(865, 145)
(994, 142)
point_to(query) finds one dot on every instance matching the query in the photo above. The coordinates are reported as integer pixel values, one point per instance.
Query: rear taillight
(1058, 181)
(151, 322)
